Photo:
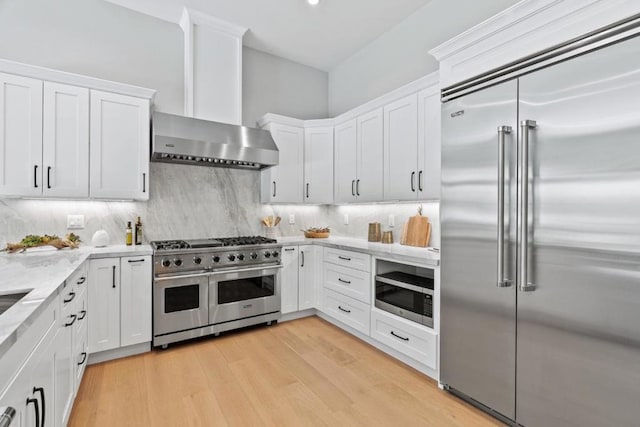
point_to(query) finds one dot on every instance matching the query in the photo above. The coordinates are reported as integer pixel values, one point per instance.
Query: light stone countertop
(42, 272)
(429, 257)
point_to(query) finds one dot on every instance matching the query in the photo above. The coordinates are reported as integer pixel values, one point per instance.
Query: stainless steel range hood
(179, 139)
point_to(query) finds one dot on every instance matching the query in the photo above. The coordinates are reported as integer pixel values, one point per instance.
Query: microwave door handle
(403, 285)
(523, 231)
(502, 131)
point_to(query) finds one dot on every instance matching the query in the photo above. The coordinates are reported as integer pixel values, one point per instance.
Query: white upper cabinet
(119, 146)
(283, 183)
(401, 149)
(345, 162)
(369, 182)
(429, 145)
(65, 145)
(20, 136)
(318, 165)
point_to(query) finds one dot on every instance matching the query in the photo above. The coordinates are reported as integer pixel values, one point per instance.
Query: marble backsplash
(193, 202)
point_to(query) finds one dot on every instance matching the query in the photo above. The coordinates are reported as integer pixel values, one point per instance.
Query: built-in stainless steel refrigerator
(540, 214)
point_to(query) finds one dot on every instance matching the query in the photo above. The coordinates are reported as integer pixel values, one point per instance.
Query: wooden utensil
(278, 219)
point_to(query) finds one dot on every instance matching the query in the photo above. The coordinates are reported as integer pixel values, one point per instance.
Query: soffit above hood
(186, 140)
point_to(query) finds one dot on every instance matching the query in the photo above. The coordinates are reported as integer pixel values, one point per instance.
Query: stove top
(172, 245)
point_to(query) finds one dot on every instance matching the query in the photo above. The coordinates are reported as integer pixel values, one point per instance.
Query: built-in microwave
(406, 295)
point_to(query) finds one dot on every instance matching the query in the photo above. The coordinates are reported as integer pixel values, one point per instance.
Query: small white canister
(100, 239)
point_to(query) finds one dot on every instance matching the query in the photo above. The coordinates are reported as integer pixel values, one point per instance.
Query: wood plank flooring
(305, 372)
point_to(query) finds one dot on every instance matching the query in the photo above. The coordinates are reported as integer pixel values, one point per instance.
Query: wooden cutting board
(416, 232)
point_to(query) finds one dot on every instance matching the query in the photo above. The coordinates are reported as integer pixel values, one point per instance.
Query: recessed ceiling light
(313, 2)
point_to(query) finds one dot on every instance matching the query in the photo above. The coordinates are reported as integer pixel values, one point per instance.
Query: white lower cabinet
(349, 311)
(119, 302)
(348, 281)
(416, 341)
(309, 277)
(289, 280)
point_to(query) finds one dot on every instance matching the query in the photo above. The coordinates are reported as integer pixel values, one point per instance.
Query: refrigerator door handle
(523, 231)
(502, 131)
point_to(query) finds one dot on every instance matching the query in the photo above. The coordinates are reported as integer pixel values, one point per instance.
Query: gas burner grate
(167, 245)
(246, 240)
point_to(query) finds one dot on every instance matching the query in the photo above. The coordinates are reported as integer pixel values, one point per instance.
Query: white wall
(401, 55)
(271, 84)
(97, 39)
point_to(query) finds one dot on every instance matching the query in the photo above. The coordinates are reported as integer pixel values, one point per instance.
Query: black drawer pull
(73, 320)
(136, 260)
(83, 313)
(81, 280)
(84, 358)
(42, 399)
(344, 309)
(289, 249)
(36, 407)
(344, 281)
(72, 295)
(398, 336)
(344, 258)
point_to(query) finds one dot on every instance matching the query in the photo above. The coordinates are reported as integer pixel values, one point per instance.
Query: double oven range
(207, 286)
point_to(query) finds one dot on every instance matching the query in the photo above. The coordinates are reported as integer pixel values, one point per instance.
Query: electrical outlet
(392, 220)
(75, 222)
(292, 218)
(346, 219)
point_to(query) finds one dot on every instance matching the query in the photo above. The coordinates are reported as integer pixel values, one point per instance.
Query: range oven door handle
(180, 276)
(245, 270)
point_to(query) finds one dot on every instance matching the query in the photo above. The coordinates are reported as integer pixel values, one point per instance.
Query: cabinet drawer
(347, 310)
(414, 341)
(348, 281)
(348, 259)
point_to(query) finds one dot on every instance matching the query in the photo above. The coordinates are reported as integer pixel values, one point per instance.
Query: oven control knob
(166, 263)
(232, 257)
(177, 262)
(216, 258)
(197, 259)
(275, 254)
(267, 254)
(253, 255)
(241, 257)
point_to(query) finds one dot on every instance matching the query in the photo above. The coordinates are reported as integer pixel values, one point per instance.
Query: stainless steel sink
(7, 301)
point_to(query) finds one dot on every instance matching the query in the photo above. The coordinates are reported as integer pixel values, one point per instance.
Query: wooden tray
(313, 235)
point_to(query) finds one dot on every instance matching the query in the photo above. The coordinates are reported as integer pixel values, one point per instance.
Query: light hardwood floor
(298, 373)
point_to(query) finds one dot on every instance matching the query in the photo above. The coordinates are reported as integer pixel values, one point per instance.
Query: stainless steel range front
(207, 286)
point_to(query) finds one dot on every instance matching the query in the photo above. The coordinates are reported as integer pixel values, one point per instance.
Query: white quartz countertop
(393, 251)
(41, 272)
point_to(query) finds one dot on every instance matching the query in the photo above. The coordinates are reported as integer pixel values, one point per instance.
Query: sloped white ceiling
(320, 36)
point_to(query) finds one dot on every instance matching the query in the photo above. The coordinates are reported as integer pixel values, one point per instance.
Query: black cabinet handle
(353, 191)
(73, 320)
(136, 260)
(44, 407)
(302, 255)
(37, 409)
(344, 281)
(307, 190)
(81, 280)
(344, 309)
(35, 176)
(84, 358)
(144, 182)
(398, 336)
(72, 295)
(114, 277)
(413, 181)
(358, 187)
(420, 180)
(289, 249)
(344, 258)
(48, 186)
(274, 189)
(84, 314)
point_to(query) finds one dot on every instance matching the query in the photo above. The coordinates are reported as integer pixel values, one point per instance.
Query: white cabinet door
(65, 141)
(369, 182)
(318, 165)
(104, 304)
(40, 387)
(401, 149)
(283, 183)
(119, 146)
(135, 300)
(309, 277)
(429, 145)
(345, 161)
(20, 136)
(64, 370)
(289, 279)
